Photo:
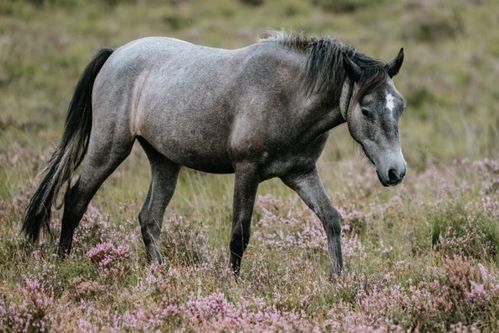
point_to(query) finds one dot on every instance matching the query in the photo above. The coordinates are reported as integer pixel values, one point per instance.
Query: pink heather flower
(484, 273)
(30, 313)
(477, 291)
(108, 256)
(215, 313)
(85, 326)
(40, 295)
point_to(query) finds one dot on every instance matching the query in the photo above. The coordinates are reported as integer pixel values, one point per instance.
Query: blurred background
(449, 76)
(423, 256)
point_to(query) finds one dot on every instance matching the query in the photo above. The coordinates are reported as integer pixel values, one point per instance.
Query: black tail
(70, 152)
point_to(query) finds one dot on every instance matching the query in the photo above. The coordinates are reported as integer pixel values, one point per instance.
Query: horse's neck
(324, 115)
(335, 112)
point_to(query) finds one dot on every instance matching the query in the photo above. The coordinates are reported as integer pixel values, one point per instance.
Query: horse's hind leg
(103, 157)
(163, 181)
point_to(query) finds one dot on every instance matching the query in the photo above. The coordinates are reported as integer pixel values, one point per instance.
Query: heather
(419, 257)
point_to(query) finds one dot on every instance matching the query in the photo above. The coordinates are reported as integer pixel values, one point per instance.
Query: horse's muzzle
(393, 178)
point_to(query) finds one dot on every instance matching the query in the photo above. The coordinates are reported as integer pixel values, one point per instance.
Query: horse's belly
(191, 144)
(212, 163)
(208, 160)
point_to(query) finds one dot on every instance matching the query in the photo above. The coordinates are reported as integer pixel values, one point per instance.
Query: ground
(419, 257)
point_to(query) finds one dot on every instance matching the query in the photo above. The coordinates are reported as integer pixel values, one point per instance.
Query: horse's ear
(351, 68)
(393, 66)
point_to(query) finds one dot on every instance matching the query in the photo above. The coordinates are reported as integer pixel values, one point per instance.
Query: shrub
(457, 231)
(110, 257)
(430, 23)
(30, 315)
(342, 6)
(182, 242)
(253, 2)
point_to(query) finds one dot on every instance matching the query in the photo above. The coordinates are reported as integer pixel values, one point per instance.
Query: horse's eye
(366, 113)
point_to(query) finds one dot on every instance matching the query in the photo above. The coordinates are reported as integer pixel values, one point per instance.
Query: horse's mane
(325, 72)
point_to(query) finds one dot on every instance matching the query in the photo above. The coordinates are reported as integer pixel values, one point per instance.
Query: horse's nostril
(392, 175)
(402, 174)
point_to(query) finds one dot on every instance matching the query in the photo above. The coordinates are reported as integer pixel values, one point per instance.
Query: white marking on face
(390, 102)
(394, 90)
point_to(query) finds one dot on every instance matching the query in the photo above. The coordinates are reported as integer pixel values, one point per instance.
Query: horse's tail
(70, 152)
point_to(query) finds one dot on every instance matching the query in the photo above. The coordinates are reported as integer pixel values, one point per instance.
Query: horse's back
(174, 94)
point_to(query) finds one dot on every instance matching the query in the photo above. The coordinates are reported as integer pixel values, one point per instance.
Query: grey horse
(260, 112)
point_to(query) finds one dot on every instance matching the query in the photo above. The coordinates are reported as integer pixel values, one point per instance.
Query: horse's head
(373, 110)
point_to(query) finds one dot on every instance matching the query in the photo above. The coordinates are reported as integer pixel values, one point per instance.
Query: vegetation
(419, 257)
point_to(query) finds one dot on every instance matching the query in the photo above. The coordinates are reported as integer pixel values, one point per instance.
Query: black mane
(325, 73)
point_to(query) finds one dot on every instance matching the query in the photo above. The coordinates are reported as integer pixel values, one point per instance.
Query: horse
(260, 112)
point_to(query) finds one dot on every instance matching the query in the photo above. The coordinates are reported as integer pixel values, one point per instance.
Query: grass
(419, 257)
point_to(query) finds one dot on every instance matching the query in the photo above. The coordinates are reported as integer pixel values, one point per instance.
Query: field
(420, 257)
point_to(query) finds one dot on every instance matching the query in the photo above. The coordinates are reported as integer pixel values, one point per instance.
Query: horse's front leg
(309, 187)
(245, 186)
